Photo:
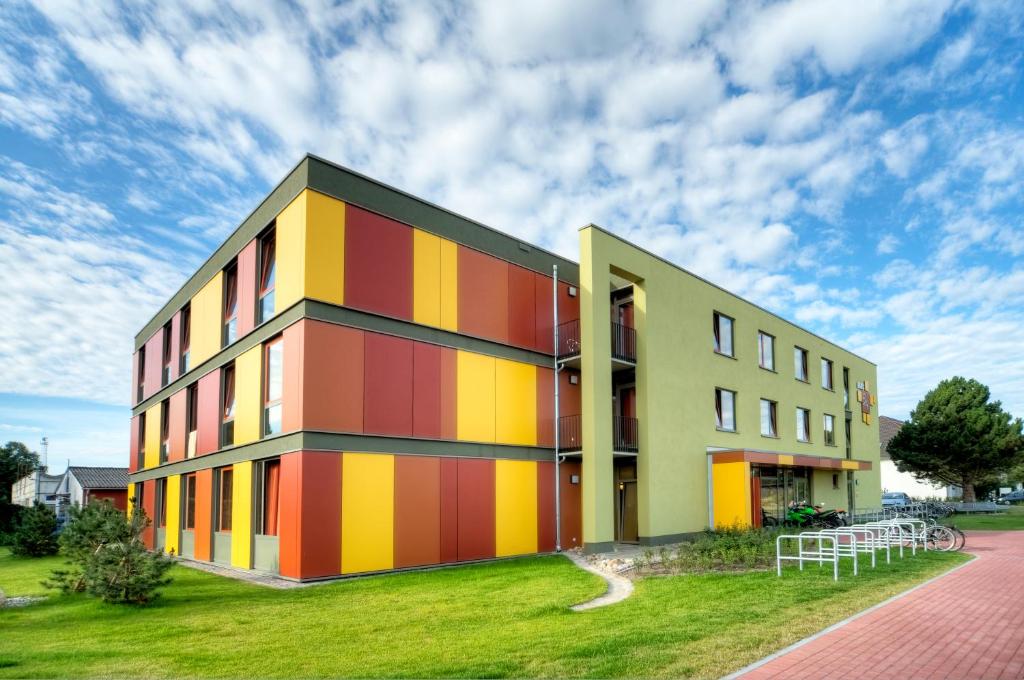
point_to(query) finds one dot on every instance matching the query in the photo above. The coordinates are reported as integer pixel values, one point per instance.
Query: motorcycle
(805, 515)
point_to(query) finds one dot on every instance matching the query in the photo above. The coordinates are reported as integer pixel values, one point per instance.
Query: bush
(107, 557)
(36, 534)
(727, 549)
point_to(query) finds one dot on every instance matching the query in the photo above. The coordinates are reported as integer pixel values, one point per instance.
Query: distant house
(892, 478)
(81, 485)
(36, 486)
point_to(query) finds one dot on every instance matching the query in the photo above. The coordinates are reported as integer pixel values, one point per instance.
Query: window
(830, 430)
(803, 424)
(186, 338)
(766, 350)
(267, 491)
(835, 481)
(723, 334)
(725, 409)
(230, 305)
(165, 373)
(140, 499)
(272, 389)
(165, 430)
(191, 419)
(849, 441)
(190, 502)
(227, 430)
(268, 271)
(800, 363)
(141, 389)
(161, 500)
(826, 374)
(224, 479)
(141, 462)
(769, 418)
(846, 388)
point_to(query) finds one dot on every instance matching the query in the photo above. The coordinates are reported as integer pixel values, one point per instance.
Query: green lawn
(1012, 518)
(508, 618)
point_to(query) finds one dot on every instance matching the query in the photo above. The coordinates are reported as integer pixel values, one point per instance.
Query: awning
(787, 459)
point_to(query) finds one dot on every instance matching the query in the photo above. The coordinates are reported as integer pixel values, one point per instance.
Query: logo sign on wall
(867, 400)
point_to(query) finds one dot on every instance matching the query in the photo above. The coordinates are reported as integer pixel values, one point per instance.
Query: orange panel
(309, 536)
(417, 511)
(449, 492)
(133, 444)
(176, 431)
(544, 337)
(483, 295)
(332, 391)
(426, 391)
(476, 509)
(545, 406)
(568, 306)
(522, 322)
(569, 396)
(545, 506)
(204, 514)
(294, 339)
(570, 497)
(449, 393)
(149, 505)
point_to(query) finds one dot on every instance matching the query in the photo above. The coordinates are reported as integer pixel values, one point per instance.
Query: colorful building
(359, 381)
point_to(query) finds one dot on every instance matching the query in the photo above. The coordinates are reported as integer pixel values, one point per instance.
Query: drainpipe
(558, 479)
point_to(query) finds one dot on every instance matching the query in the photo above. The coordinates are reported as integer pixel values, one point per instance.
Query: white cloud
(887, 244)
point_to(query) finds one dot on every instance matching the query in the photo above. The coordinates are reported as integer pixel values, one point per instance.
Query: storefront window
(781, 486)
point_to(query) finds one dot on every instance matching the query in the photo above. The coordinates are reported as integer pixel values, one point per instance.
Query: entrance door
(626, 524)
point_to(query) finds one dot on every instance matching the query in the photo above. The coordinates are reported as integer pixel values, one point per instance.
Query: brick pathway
(968, 624)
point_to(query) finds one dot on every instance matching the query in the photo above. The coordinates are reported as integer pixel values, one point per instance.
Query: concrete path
(619, 587)
(964, 625)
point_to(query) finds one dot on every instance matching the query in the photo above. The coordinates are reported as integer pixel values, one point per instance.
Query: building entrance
(780, 486)
(626, 526)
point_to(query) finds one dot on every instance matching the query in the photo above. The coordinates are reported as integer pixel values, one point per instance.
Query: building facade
(36, 487)
(358, 381)
(82, 485)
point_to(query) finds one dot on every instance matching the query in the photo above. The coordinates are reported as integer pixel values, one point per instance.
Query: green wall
(676, 376)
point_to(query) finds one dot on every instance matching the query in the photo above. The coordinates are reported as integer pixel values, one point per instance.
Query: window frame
(191, 418)
(275, 344)
(716, 318)
(804, 363)
(190, 492)
(829, 435)
(161, 503)
(223, 498)
(720, 411)
(803, 415)
(773, 417)
(166, 358)
(229, 305)
(831, 386)
(185, 341)
(165, 430)
(141, 383)
(260, 498)
(141, 459)
(761, 335)
(265, 292)
(227, 411)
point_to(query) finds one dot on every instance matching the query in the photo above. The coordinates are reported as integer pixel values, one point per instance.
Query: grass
(1012, 518)
(502, 619)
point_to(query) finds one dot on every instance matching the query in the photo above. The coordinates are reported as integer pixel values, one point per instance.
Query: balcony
(625, 434)
(623, 344)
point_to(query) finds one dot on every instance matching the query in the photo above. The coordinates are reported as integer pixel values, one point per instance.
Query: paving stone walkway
(619, 587)
(967, 624)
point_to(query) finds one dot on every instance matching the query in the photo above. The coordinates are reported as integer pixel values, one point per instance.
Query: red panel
(309, 539)
(292, 403)
(387, 385)
(154, 363)
(569, 396)
(133, 445)
(449, 393)
(476, 509)
(208, 416)
(449, 478)
(545, 406)
(570, 497)
(204, 514)
(149, 506)
(247, 288)
(378, 264)
(426, 391)
(135, 379)
(417, 511)
(522, 312)
(483, 295)
(332, 378)
(568, 306)
(544, 314)
(176, 430)
(117, 498)
(175, 345)
(545, 507)
(629, 402)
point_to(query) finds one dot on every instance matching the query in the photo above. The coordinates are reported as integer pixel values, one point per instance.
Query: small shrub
(36, 534)
(107, 557)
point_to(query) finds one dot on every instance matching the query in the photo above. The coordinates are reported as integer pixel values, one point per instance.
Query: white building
(36, 486)
(893, 479)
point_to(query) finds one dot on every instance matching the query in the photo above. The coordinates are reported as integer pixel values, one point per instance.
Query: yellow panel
(850, 465)
(785, 460)
(206, 314)
(152, 457)
(290, 239)
(367, 512)
(515, 507)
(248, 394)
(173, 490)
(449, 286)
(731, 488)
(475, 399)
(325, 248)
(426, 267)
(515, 403)
(131, 495)
(241, 515)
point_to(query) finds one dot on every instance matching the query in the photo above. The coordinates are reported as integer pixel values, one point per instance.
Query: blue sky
(857, 167)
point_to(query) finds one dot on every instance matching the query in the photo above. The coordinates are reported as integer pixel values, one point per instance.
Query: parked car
(895, 499)
(1012, 497)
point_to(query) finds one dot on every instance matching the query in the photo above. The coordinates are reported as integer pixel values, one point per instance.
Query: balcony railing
(625, 434)
(623, 341)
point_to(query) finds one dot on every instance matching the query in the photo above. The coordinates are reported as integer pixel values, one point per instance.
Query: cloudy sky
(857, 167)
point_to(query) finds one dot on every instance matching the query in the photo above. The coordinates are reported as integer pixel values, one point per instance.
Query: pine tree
(36, 534)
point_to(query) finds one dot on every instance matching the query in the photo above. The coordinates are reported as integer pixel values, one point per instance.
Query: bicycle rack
(864, 541)
(880, 539)
(844, 549)
(818, 553)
